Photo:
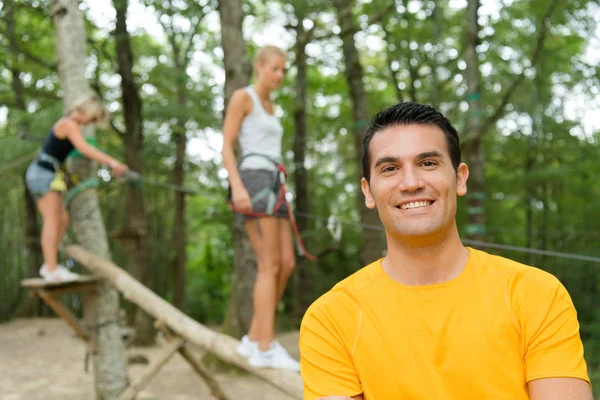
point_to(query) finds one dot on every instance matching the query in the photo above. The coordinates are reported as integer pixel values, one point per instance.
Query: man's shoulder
(517, 275)
(344, 295)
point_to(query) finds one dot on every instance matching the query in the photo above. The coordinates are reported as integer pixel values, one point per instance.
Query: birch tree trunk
(109, 360)
(237, 74)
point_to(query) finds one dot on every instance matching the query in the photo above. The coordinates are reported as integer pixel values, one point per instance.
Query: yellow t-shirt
(482, 335)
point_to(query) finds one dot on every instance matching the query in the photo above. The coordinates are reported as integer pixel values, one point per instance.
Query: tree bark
(179, 223)
(138, 253)
(373, 243)
(474, 151)
(237, 74)
(302, 286)
(109, 359)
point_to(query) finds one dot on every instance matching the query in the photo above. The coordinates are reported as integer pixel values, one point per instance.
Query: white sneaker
(247, 347)
(276, 357)
(58, 274)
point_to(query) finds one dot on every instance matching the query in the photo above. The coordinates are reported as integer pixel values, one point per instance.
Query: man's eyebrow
(429, 154)
(420, 156)
(384, 160)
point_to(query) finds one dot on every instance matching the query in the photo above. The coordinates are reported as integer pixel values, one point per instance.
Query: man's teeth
(415, 204)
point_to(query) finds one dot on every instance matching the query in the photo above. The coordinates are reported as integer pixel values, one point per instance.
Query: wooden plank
(40, 283)
(161, 359)
(64, 313)
(59, 291)
(221, 345)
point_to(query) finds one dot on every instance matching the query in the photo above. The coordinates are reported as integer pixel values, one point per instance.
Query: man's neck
(425, 264)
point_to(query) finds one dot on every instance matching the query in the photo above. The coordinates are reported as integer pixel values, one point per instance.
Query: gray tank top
(260, 133)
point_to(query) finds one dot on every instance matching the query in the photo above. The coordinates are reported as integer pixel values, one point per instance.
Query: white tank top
(260, 133)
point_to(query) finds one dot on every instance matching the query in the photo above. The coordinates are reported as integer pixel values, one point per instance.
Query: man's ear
(462, 174)
(366, 189)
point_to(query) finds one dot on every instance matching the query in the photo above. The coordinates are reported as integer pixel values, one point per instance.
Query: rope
(132, 176)
(17, 162)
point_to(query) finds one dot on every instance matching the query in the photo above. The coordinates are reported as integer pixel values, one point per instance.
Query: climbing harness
(59, 183)
(275, 194)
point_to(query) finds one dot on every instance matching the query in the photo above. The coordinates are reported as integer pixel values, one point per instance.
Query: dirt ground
(42, 359)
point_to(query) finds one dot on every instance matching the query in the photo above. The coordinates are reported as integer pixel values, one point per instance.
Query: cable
(17, 162)
(133, 176)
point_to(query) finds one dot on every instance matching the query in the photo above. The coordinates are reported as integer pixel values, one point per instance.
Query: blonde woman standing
(251, 120)
(43, 178)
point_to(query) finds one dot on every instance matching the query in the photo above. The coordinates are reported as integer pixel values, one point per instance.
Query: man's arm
(560, 389)
(326, 363)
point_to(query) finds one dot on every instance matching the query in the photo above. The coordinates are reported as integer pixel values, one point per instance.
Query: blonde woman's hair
(93, 107)
(266, 52)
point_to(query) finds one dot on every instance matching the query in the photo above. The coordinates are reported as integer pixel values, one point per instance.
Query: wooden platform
(49, 292)
(40, 283)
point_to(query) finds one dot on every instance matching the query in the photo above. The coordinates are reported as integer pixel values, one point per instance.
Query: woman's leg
(51, 206)
(265, 233)
(288, 256)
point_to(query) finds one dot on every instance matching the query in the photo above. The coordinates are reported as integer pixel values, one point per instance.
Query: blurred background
(520, 79)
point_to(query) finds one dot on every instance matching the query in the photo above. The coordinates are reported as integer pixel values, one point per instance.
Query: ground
(42, 359)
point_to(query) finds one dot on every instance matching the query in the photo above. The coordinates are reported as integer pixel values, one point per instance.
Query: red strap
(282, 198)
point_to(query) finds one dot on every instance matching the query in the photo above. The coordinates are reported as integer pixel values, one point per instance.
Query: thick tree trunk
(138, 253)
(302, 286)
(474, 130)
(237, 74)
(373, 242)
(109, 359)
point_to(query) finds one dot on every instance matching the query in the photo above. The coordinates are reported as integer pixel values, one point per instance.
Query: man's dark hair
(410, 113)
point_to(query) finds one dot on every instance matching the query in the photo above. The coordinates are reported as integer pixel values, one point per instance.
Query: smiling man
(434, 319)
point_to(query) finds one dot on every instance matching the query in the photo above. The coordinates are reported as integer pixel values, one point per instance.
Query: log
(221, 345)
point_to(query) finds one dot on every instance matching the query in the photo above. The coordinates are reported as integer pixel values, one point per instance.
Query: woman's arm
(69, 129)
(237, 109)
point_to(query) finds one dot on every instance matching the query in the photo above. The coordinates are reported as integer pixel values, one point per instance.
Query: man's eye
(389, 168)
(428, 163)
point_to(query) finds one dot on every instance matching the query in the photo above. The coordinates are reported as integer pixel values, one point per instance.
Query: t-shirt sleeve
(551, 340)
(325, 357)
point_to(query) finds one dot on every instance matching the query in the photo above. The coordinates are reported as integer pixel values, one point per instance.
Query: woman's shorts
(38, 180)
(255, 180)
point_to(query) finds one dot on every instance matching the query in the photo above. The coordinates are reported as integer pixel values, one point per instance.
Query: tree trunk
(30, 306)
(373, 242)
(138, 253)
(237, 74)
(109, 359)
(302, 284)
(474, 135)
(179, 223)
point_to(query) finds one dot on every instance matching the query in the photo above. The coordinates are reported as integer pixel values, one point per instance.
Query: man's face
(413, 184)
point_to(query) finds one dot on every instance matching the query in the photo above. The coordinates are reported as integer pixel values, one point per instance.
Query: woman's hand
(118, 169)
(241, 200)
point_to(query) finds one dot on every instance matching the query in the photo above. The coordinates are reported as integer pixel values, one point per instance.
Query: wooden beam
(160, 359)
(221, 345)
(63, 312)
(196, 364)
